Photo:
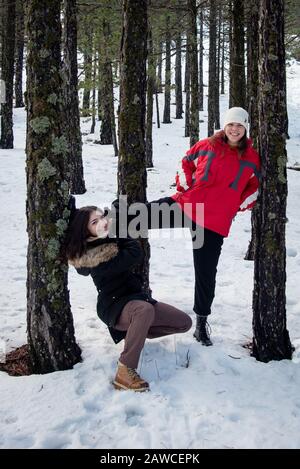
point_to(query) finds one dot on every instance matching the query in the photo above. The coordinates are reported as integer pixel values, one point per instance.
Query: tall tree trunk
(157, 109)
(7, 69)
(238, 80)
(132, 176)
(271, 338)
(252, 95)
(201, 50)
(167, 105)
(107, 89)
(223, 59)
(178, 77)
(212, 73)
(187, 89)
(73, 133)
(100, 86)
(94, 95)
(110, 90)
(87, 66)
(150, 93)
(159, 67)
(218, 66)
(194, 117)
(19, 54)
(50, 327)
(230, 34)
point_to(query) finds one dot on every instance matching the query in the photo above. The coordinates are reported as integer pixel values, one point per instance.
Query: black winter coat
(109, 262)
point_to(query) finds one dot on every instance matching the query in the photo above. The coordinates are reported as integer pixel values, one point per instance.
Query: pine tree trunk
(94, 95)
(73, 132)
(238, 80)
(167, 105)
(178, 78)
(87, 65)
(223, 59)
(19, 54)
(218, 52)
(230, 34)
(252, 97)
(157, 109)
(99, 100)
(194, 113)
(187, 65)
(187, 89)
(107, 90)
(7, 69)
(201, 49)
(212, 73)
(132, 176)
(271, 338)
(111, 94)
(150, 93)
(159, 68)
(50, 327)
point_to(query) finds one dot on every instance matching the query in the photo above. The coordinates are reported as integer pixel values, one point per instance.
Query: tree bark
(187, 89)
(50, 327)
(19, 54)
(73, 132)
(194, 112)
(159, 68)
(132, 177)
(108, 115)
(212, 73)
(252, 98)
(7, 68)
(150, 93)
(178, 77)
(87, 65)
(201, 49)
(238, 80)
(271, 338)
(94, 94)
(218, 66)
(167, 105)
(222, 91)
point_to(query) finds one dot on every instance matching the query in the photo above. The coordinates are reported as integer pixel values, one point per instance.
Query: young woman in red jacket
(220, 173)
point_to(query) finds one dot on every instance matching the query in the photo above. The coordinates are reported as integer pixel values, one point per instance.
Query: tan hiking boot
(128, 379)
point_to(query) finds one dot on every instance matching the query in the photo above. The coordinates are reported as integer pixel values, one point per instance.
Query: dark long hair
(241, 146)
(77, 233)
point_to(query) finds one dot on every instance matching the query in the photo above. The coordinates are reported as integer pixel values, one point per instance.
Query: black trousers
(205, 258)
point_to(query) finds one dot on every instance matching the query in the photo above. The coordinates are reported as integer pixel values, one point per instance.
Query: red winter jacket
(217, 176)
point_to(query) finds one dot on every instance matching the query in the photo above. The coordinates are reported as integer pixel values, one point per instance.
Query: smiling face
(98, 225)
(234, 132)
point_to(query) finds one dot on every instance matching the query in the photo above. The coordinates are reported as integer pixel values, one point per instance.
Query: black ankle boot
(201, 333)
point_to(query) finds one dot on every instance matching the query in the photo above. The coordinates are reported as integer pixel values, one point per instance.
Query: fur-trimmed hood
(95, 255)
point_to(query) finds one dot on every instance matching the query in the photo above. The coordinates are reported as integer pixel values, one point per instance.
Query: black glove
(72, 208)
(116, 205)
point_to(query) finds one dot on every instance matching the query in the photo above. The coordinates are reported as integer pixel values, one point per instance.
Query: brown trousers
(143, 320)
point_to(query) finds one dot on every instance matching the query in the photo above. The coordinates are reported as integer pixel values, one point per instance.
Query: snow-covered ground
(223, 399)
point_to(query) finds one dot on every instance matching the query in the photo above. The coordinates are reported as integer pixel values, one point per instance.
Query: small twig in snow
(157, 370)
(236, 358)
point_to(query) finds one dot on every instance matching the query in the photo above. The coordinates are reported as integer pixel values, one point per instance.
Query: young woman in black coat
(122, 305)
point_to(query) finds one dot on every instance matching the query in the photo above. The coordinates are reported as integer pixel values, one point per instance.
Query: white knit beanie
(237, 115)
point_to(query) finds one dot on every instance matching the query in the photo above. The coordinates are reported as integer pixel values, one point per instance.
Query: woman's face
(98, 225)
(234, 132)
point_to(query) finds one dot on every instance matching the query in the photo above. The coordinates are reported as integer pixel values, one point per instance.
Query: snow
(223, 399)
